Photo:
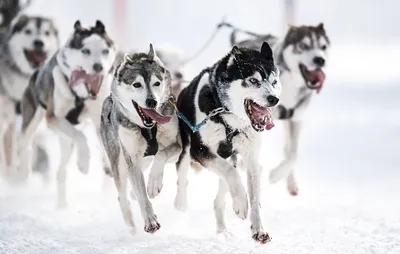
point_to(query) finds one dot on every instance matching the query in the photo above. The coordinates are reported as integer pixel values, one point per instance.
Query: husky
(227, 106)
(172, 60)
(58, 92)
(138, 125)
(302, 55)
(29, 44)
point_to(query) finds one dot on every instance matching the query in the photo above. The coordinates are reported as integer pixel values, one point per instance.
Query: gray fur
(124, 141)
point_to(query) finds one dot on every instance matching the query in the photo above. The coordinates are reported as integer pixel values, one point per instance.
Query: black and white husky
(235, 95)
(30, 42)
(137, 123)
(58, 93)
(302, 55)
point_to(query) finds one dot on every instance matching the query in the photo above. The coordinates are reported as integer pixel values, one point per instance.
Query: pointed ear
(77, 25)
(320, 26)
(267, 51)
(235, 50)
(152, 53)
(127, 58)
(100, 27)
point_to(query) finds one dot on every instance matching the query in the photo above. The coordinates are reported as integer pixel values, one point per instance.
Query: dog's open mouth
(92, 81)
(150, 116)
(260, 117)
(36, 58)
(314, 79)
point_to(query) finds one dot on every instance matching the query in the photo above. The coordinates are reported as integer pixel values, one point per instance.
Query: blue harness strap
(197, 127)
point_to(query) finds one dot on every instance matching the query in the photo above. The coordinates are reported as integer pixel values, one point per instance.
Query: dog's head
(247, 83)
(31, 41)
(89, 54)
(142, 85)
(305, 50)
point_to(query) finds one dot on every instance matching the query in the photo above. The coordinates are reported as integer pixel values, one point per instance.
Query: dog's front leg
(137, 180)
(232, 178)
(63, 127)
(285, 168)
(254, 189)
(66, 149)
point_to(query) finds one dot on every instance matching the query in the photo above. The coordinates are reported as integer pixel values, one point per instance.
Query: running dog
(302, 55)
(58, 93)
(29, 44)
(137, 121)
(226, 107)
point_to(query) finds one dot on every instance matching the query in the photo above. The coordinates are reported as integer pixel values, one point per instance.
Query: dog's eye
(253, 81)
(47, 33)
(86, 51)
(302, 46)
(106, 51)
(157, 84)
(323, 47)
(28, 31)
(137, 85)
(274, 83)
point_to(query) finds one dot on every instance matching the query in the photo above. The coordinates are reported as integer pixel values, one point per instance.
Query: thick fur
(172, 58)
(49, 96)
(129, 143)
(227, 84)
(27, 34)
(306, 45)
(9, 9)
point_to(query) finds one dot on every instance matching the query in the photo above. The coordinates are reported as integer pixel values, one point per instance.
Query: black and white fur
(9, 9)
(303, 48)
(243, 74)
(140, 83)
(49, 96)
(31, 41)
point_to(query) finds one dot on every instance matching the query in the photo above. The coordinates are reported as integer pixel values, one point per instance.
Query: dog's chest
(12, 83)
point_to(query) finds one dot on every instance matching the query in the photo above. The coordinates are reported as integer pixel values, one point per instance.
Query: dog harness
(197, 127)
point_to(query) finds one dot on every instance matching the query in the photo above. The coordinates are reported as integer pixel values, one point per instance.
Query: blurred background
(348, 168)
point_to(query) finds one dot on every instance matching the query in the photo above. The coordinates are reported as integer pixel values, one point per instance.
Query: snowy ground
(347, 171)
(348, 202)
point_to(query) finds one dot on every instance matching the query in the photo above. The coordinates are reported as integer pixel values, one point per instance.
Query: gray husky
(302, 55)
(58, 93)
(29, 44)
(137, 123)
(227, 107)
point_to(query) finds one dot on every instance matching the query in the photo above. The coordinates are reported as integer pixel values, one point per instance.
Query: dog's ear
(100, 28)
(320, 26)
(19, 23)
(267, 51)
(152, 56)
(235, 50)
(127, 59)
(77, 25)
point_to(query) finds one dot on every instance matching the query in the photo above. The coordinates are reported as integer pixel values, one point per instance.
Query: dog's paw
(83, 164)
(292, 186)
(261, 236)
(240, 205)
(180, 202)
(154, 185)
(131, 229)
(151, 224)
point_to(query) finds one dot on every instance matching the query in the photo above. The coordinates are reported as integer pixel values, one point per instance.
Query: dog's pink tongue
(269, 121)
(153, 114)
(94, 83)
(320, 76)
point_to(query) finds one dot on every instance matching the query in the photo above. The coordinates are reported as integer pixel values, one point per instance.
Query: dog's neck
(63, 64)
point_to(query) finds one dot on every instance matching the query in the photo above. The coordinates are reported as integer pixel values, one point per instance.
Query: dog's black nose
(151, 103)
(97, 67)
(38, 44)
(319, 61)
(272, 100)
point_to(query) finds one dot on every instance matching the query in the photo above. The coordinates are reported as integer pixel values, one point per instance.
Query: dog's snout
(272, 100)
(319, 61)
(97, 67)
(151, 103)
(38, 44)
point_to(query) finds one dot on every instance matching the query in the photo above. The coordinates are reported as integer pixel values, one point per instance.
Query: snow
(347, 170)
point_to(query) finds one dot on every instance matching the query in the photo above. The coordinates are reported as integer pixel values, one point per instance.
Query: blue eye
(86, 51)
(106, 51)
(253, 81)
(302, 46)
